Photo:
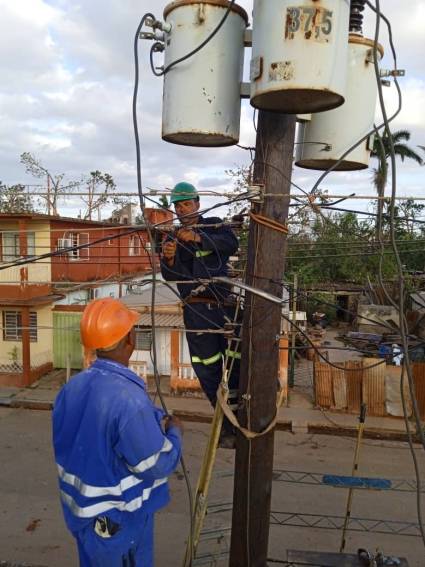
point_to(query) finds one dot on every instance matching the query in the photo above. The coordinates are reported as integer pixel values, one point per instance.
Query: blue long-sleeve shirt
(112, 455)
(202, 260)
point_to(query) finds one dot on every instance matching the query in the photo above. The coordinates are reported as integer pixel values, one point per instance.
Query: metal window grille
(143, 339)
(75, 239)
(11, 246)
(12, 326)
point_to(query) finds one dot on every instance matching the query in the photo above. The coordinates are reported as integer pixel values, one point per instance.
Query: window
(134, 245)
(11, 248)
(12, 326)
(72, 239)
(143, 339)
(93, 293)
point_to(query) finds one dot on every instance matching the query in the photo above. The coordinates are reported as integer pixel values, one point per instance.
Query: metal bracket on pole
(247, 40)
(245, 90)
(256, 194)
(392, 72)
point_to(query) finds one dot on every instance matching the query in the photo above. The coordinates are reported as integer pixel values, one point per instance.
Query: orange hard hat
(105, 322)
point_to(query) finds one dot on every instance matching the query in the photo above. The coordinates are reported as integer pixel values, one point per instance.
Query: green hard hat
(183, 191)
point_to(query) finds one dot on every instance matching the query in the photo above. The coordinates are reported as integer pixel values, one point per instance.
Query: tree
(13, 199)
(382, 151)
(163, 201)
(55, 188)
(100, 187)
(241, 179)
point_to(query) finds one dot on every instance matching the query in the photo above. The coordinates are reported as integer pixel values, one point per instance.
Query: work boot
(227, 440)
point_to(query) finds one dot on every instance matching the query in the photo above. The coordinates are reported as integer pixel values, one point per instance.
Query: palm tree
(382, 151)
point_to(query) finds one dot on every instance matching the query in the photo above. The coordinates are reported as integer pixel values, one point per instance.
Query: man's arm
(149, 453)
(172, 268)
(221, 240)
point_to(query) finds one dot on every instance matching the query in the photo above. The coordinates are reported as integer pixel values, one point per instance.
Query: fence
(370, 381)
(16, 366)
(183, 379)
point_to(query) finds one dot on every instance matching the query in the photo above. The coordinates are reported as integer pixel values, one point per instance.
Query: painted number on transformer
(311, 23)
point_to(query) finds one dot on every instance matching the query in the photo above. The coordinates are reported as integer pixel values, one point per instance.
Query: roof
(38, 301)
(163, 296)
(59, 219)
(419, 298)
(334, 287)
(161, 320)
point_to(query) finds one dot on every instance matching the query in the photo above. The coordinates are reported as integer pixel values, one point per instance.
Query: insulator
(356, 15)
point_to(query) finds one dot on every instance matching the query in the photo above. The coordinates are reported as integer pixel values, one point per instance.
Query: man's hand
(169, 251)
(188, 235)
(173, 421)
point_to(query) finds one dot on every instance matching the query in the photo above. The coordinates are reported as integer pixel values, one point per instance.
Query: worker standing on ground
(114, 449)
(195, 253)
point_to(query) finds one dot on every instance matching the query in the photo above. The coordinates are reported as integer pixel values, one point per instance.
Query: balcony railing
(37, 274)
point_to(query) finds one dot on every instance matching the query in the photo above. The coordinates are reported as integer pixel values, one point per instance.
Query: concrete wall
(163, 339)
(41, 350)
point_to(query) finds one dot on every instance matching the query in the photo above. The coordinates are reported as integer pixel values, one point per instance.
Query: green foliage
(55, 185)
(100, 188)
(323, 302)
(340, 248)
(13, 199)
(382, 151)
(14, 354)
(241, 180)
(163, 201)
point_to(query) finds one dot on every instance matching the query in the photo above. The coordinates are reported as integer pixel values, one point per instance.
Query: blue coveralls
(113, 461)
(202, 261)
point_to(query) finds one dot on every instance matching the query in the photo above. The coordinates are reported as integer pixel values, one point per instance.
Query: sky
(66, 94)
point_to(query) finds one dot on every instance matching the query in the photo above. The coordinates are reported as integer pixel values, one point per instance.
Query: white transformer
(329, 135)
(202, 103)
(299, 55)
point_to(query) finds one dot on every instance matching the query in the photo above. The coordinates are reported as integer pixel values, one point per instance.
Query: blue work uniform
(205, 260)
(113, 461)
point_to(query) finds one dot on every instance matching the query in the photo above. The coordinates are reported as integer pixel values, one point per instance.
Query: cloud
(66, 94)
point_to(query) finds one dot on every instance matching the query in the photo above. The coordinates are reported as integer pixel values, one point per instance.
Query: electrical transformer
(201, 100)
(299, 55)
(323, 140)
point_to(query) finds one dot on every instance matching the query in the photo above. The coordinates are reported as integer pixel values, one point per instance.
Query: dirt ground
(33, 532)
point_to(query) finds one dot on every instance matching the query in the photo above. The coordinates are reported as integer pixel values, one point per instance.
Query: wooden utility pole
(260, 345)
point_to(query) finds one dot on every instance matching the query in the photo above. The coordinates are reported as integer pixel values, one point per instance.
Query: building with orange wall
(31, 293)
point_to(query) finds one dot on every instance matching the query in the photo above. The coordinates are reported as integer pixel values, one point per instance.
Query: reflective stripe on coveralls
(203, 253)
(233, 354)
(102, 507)
(207, 361)
(216, 357)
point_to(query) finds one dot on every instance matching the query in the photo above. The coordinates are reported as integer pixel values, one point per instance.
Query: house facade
(26, 299)
(41, 301)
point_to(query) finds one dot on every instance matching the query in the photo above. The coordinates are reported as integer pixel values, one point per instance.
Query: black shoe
(227, 440)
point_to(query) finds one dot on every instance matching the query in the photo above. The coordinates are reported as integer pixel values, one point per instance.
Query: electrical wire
(126, 232)
(194, 51)
(142, 207)
(407, 369)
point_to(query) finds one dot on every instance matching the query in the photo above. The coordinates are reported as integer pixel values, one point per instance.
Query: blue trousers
(207, 350)
(131, 546)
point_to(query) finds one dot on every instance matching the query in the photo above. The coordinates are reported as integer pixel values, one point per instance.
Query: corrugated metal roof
(419, 298)
(163, 296)
(161, 320)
